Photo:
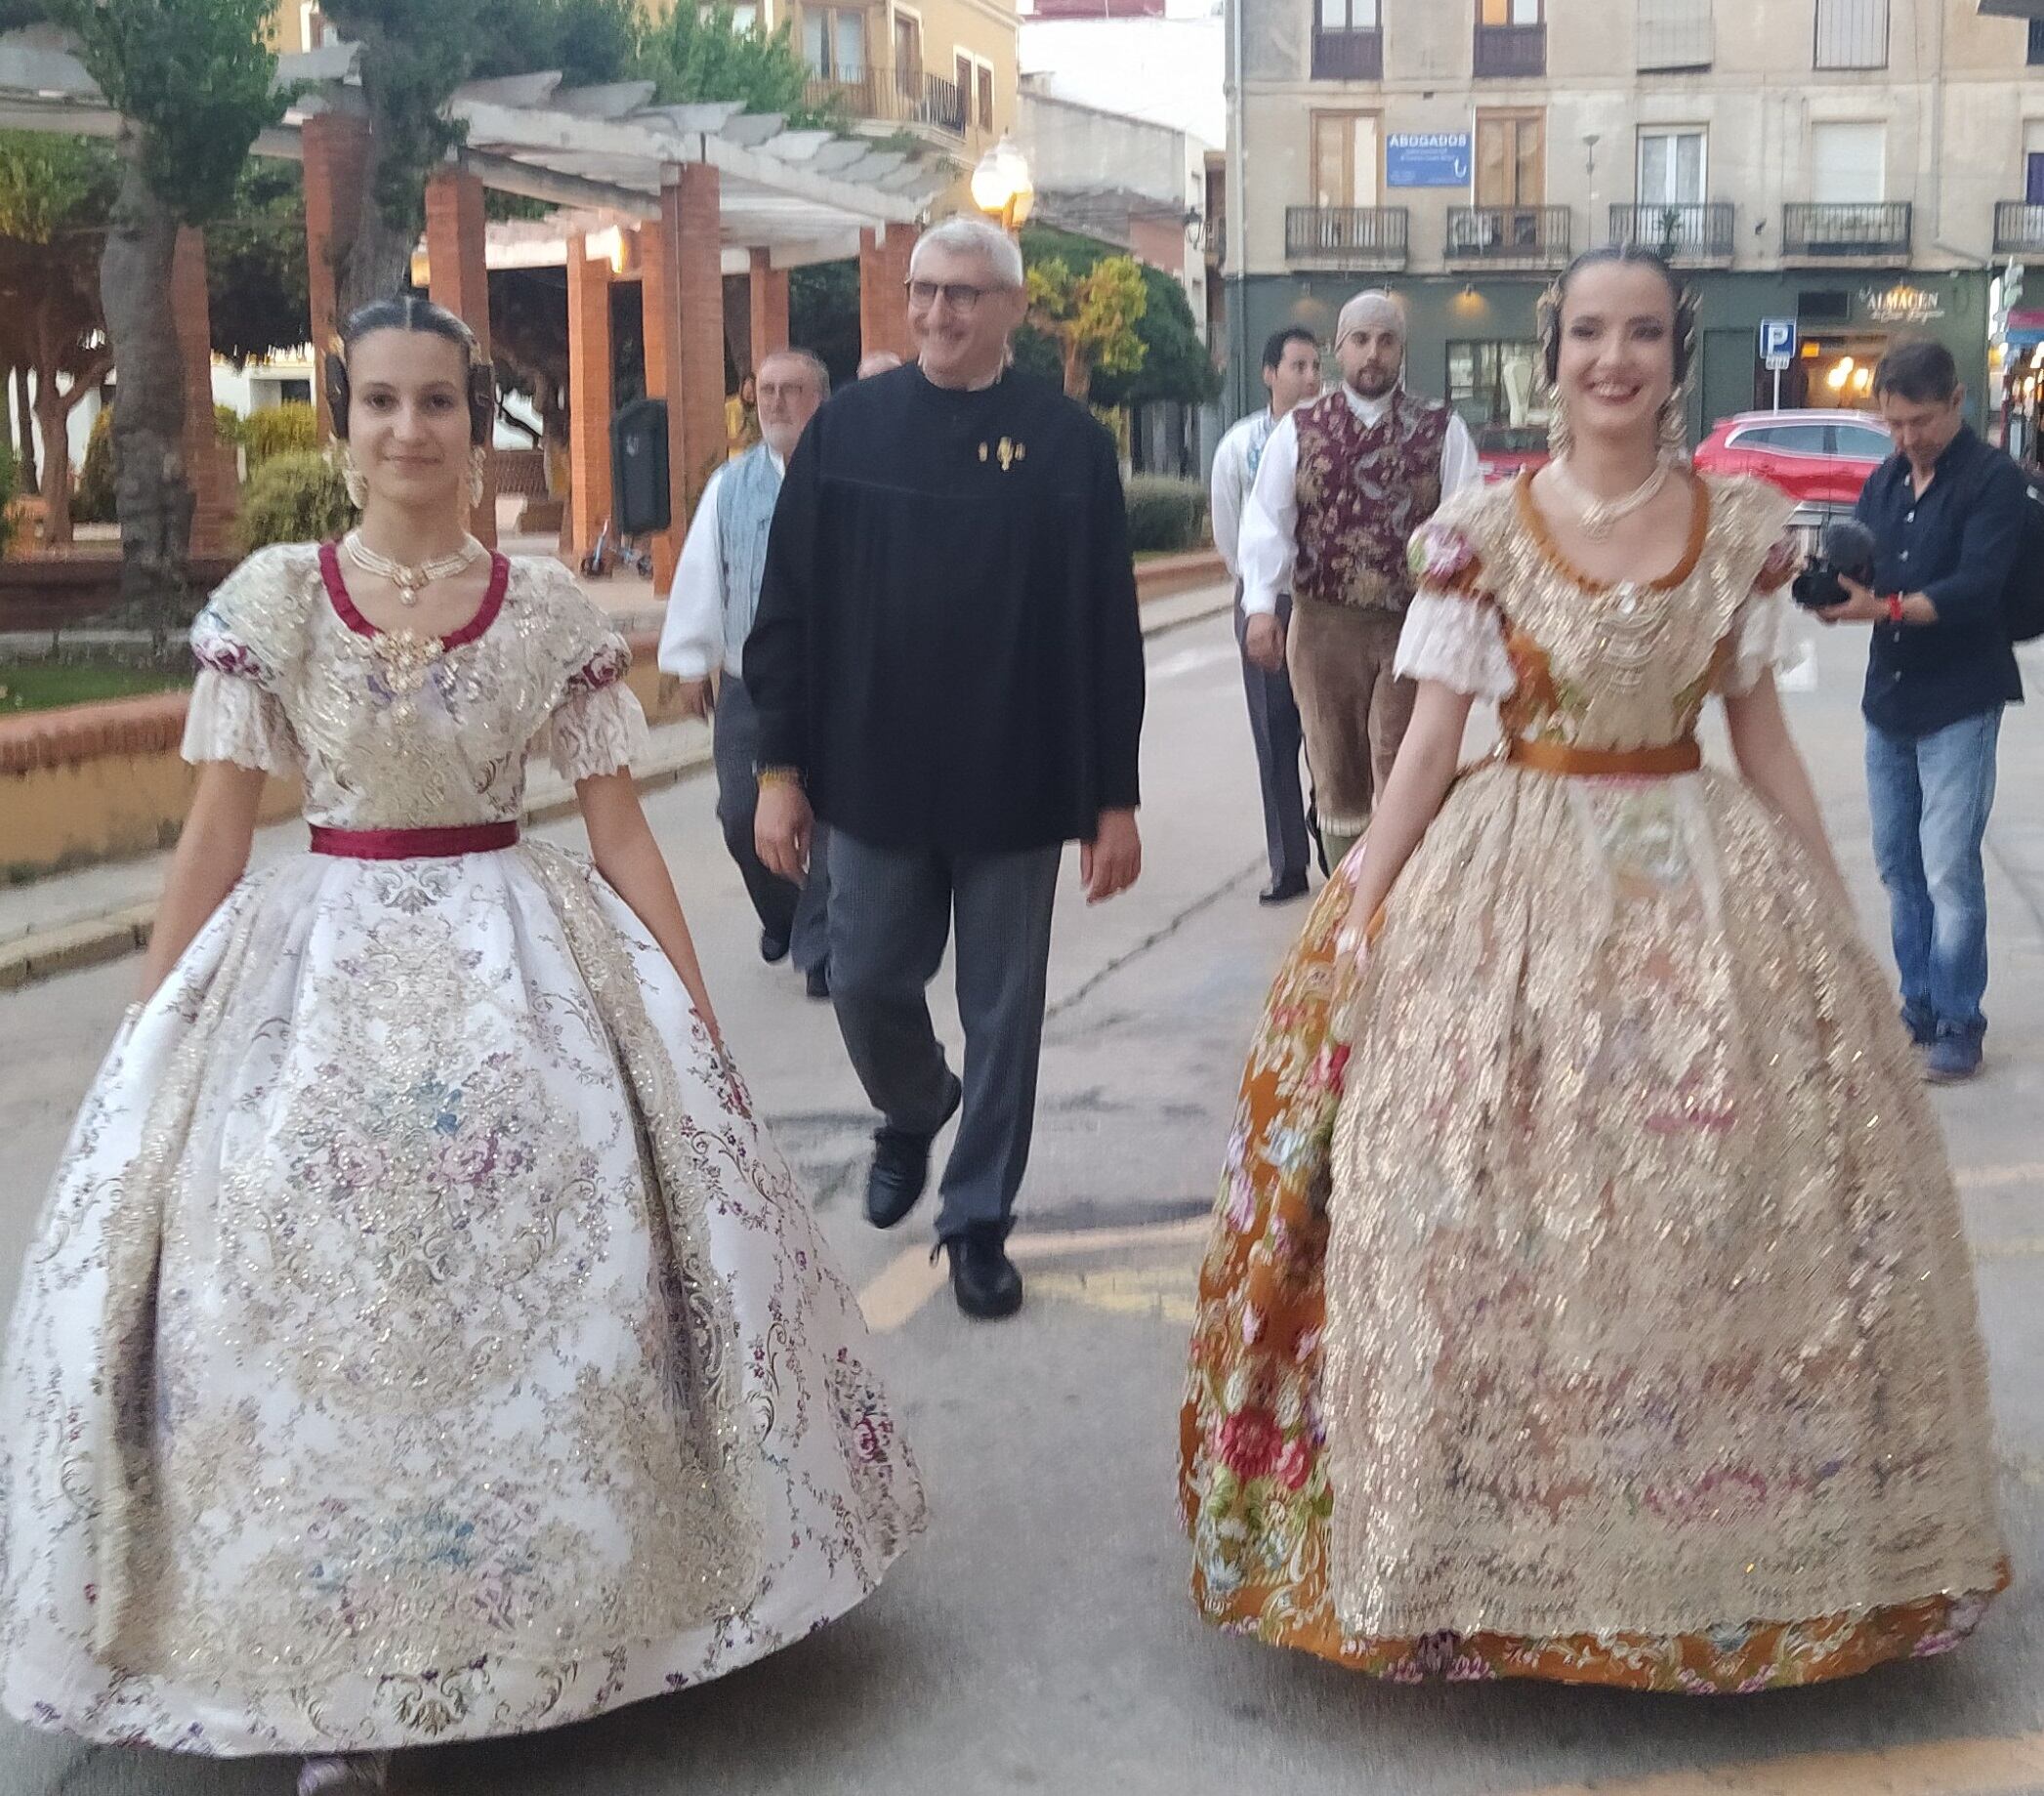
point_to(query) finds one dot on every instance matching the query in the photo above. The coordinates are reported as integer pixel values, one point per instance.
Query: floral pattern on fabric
(423, 1341)
(1418, 1234)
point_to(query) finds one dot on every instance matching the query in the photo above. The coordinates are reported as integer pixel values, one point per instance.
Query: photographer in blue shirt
(1947, 517)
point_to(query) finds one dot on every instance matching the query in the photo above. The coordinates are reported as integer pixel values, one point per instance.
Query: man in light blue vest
(709, 615)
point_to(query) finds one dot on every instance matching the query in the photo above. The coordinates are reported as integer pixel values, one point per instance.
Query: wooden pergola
(702, 190)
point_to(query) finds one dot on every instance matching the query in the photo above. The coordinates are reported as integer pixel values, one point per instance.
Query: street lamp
(1001, 185)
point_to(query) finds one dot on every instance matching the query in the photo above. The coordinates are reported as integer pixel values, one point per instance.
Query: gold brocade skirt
(1600, 1311)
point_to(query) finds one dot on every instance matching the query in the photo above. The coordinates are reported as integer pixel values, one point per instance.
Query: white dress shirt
(1235, 467)
(691, 639)
(1269, 541)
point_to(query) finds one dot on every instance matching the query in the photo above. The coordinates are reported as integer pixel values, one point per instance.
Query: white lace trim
(596, 732)
(234, 719)
(1765, 640)
(1458, 644)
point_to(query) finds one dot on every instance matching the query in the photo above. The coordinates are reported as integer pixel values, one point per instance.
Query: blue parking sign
(1777, 341)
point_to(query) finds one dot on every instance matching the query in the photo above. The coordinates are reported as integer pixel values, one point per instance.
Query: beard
(1375, 383)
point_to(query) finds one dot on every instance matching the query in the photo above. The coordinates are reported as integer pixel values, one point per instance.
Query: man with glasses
(948, 670)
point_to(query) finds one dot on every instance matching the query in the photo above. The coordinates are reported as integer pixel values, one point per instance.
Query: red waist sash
(413, 844)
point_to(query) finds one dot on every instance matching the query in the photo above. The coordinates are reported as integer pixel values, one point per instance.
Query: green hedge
(296, 497)
(92, 499)
(1165, 514)
(280, 430)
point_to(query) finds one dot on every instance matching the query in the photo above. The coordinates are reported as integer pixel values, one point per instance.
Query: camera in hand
(1845, 553)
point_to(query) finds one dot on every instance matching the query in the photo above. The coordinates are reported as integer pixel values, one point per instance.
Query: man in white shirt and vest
(1291, 377)
(709, 615)
(1342, 486)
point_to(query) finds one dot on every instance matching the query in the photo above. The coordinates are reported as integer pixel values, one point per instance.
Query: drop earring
(479, 464)
(1560, 437)
(354, 479)
(1674, 427)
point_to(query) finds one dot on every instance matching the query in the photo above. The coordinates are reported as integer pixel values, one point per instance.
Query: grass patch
(46, 685)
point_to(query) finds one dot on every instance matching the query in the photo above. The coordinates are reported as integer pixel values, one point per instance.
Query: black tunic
(947, 645)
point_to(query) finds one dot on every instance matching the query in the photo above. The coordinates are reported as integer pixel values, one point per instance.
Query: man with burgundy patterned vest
(1343, 484)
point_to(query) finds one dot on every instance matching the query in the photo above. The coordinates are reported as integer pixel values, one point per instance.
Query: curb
(71, 948)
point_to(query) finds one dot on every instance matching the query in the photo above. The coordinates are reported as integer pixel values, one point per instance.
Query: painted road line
(1937, 1768)
(910, 1279)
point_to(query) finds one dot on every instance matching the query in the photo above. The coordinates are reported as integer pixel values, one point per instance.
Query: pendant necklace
(1601, 516)
(411, 581)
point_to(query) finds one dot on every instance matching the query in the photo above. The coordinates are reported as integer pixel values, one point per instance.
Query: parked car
(1506, 450)
(1821, 459)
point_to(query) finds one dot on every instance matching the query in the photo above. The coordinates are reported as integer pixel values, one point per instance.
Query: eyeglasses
(961, 296)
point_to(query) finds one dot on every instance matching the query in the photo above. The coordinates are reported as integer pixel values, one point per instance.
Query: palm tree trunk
(152, 494)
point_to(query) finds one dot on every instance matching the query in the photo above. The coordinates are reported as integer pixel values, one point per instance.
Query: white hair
(985, 242)
(813, 362)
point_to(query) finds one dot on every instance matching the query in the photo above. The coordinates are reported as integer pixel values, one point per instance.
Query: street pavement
(1039, 1637)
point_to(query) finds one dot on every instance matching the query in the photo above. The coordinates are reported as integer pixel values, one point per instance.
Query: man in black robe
(948, 670)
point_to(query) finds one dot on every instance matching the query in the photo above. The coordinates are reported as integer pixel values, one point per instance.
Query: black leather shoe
(900, 1167)
(818, 982)
(1283, 891)
(983, 1280)
(773, 950)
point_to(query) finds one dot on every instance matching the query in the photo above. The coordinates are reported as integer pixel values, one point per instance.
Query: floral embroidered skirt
(1368, 1274)
(423, 1341)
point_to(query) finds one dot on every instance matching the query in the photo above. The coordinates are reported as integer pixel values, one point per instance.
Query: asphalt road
(1039, 1637)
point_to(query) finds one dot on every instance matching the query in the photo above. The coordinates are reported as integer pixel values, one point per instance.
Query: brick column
(883, 296)
(770, 308)
(209, 463)
(336, 149)
(591, 395)
(456, 250)
(683, 294)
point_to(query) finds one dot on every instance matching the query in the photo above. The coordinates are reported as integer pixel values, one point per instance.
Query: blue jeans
(1930, 796)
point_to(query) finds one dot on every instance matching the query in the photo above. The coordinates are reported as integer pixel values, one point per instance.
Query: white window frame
(1673, 132)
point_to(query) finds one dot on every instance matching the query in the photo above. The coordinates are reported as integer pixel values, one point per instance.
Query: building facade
(1864, 167)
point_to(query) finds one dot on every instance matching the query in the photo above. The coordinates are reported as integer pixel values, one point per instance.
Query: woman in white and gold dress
(1587, 1297)
(423, 1341)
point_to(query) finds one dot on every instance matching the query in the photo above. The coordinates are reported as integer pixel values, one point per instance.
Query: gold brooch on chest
(1007, 452)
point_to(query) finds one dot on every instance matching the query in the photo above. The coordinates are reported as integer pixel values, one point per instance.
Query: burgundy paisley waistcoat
(1362, 490)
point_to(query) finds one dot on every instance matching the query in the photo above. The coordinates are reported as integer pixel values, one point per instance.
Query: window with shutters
(1345, 158)
(1851, 34)
(1676, 34)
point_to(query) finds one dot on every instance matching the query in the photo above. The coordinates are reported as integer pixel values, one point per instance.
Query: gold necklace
(410, 581)
(1601, 516)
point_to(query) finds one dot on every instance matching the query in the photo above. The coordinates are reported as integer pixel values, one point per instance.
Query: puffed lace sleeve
(235, 714)
(1765, 638)
(599, 727)
(1453, 634)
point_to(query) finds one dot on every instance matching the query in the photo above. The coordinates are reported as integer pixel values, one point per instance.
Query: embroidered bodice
(1501, 615)
(391, 731)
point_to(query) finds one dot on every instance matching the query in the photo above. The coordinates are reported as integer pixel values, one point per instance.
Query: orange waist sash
(1656, 763)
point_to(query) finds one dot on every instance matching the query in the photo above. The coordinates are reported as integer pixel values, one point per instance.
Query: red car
(1505, 451)
(1818, 458)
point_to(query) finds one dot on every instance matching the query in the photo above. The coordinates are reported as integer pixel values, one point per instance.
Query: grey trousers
(891, 912)
(1274, 721)
(793, 913)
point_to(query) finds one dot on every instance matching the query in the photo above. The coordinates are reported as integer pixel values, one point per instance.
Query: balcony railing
(1846, 233)
(2019, 228)
(895, 97)
(1348, 55)
(1686, 235)
(1539, 235)
(1506, 51)
(1347, 237)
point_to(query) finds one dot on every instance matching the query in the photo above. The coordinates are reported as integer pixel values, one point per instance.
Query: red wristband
(1895, 608)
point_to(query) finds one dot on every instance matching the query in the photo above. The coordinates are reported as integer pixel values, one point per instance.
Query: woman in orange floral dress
(1587, 1297)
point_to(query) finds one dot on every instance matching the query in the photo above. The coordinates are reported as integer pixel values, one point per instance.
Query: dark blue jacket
(1957, 546)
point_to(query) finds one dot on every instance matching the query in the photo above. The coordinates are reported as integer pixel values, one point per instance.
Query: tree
(55, 197)
(194, 83)
(256, 275)
(1175, 366)
(1091, 317)
(696, 55)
